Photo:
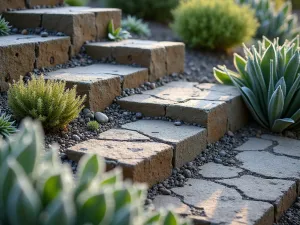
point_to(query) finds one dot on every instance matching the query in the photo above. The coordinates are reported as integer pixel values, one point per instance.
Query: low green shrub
(269, 81)
(157, 10)
(47, 101)
(4, 27)
(35, 188)
(117, 34)
(93, 125)
(136, 26)
(214, 24)
(6, 126)
(76, 2)
(273, 24)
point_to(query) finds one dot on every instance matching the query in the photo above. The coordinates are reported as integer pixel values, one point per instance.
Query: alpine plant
(6, 126)
(269, 81)
(274, 23)
(4, 27)
(37, 189)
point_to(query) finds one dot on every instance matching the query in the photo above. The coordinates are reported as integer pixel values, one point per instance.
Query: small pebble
(217, 160)
(187, 173)
(24, 32)
(230, 133)
(177, 123)
(139, 115)
(165, 191)
(222, 153)
(44, 34)
(101, 117)
(76, 137)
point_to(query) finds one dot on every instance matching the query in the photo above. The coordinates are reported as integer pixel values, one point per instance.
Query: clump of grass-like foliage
(93, 125)
(4, 27)
(48, 101)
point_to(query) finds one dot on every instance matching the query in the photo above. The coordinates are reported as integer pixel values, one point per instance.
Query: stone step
(257, 191)
(80, 23)
(161, 58)
(145, 149)
(219, 108)
(21, 4)
(101, 83)
(20, 54)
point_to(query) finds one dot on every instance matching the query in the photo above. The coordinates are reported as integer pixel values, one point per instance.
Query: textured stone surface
(213, 170)
(189, 141)
(163, 202)
(270, 165)
(100, 88)
(175, 56)
(255, 144)
(123, 135)
(20, 54)
(148, 162)
(286, 146)
(11, 4)
(32, 3)
(216, 107)
(223, 205)
(282, 192)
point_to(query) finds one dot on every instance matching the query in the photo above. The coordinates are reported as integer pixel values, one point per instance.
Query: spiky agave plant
(117, 34)
(269, 81)
(4, 27)
(136, 26)
(37, 189)
(6, 125)
(273, 23)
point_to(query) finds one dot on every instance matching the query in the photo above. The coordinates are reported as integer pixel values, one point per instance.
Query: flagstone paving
(258, 190)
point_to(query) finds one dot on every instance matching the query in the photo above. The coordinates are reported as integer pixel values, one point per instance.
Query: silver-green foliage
(269, 81)
(136, 26)
(36, 189)
(273, 23)
(4, 27)
(6, 125)
(117, 34)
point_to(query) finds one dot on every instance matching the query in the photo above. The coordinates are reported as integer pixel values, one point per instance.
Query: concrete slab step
(218, 108)
(101, 82)
(145, 149)
(161, 58)
(80, 23)
(20, 54)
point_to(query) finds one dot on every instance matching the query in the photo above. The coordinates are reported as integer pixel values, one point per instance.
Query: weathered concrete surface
(32, 3)
(222, 205)
(255, 144)
(100, 88)
(20, 54)
(175, 56)
(123, 135)
(282, 193)
(148, 162)
(286, 146)
(163, 202)
(216, 107)
(214, 170)
(270, 165)
(189, 141)
(11, 4)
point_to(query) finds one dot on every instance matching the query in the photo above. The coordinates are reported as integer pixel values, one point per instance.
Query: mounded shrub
(93, 125)
(282, 23)
(158, 10)
(214, 24)
(48, 101)
(269, 81)
(36, 189)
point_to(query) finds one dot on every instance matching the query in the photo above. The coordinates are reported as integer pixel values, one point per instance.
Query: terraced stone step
(146, 150)
(257, 191)
(21, 4)
(101, 83)
(161, 58)
(218, 108)
(20, 54)
(80, 23)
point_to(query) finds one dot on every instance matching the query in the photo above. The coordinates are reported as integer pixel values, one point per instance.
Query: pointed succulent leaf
(222, 77)
(269, 55)
(170, 219)
(240, 65)
(123, 216)
(111, 28)
(276, 104)
(281, 83)
(292, 69)
(282, 124)
(291, 93)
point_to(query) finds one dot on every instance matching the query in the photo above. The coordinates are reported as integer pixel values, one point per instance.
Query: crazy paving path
(264, 184)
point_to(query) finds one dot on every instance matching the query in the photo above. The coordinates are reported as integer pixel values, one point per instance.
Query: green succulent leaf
(276, 104)
(281, 124)
(222, 77)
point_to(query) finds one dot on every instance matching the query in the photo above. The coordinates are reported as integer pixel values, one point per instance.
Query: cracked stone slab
(214, 170)
(147, 162)
(223, 205)
(218, 111)
(282, 193)
(164, 201)
(286, 146)
(189, 141)
(255, 144)
(123, 135)
(268, 164)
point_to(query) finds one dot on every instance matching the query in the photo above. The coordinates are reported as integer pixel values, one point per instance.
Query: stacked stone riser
(22, 4)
